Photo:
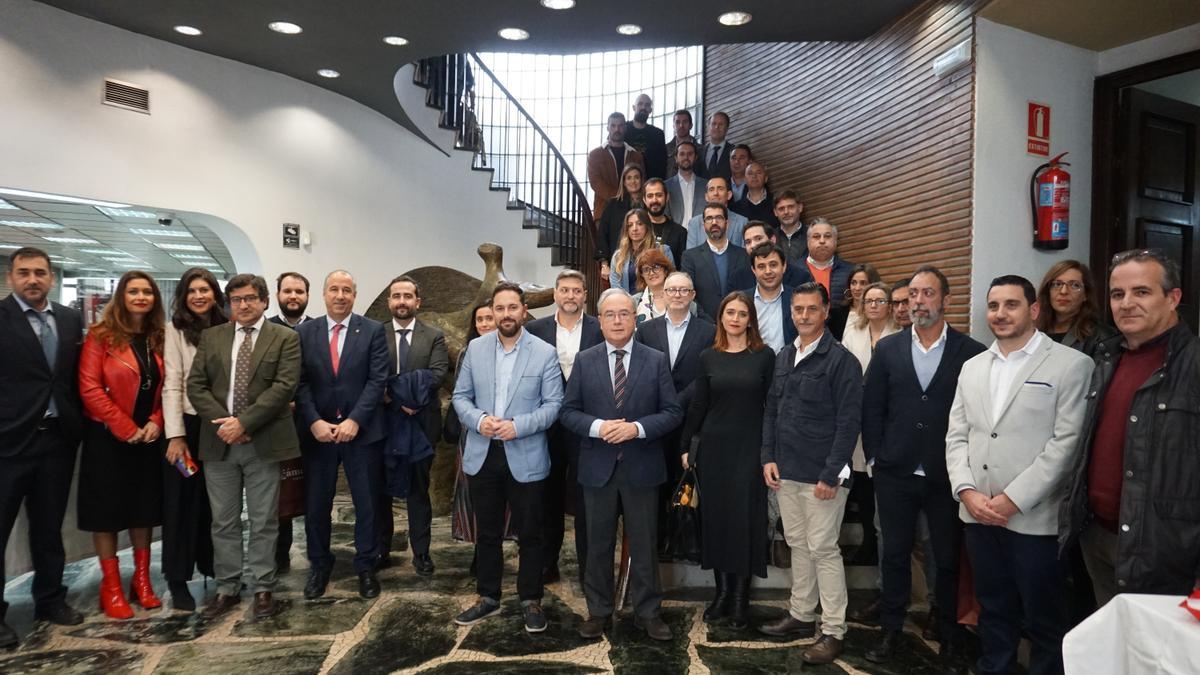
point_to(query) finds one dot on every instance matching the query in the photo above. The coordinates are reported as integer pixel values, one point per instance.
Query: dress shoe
(219, 605)
(825, 650)
(886, 649)
(789, 627)
(932, 630)
(868, 614)
(181, 597)
(719, 607)
(551, 575)
(318, 579)
(655, 628)
(264, 605)
(739, 603)
(60, 614)
(954, 657)
(592, 627)
(384, 561)
(481, 610)
(368, 584)
(423, 564)
(535, 618)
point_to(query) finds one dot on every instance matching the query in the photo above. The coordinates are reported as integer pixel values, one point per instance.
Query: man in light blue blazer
(508, 393)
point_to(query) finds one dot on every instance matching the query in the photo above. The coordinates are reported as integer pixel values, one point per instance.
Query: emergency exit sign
(1037, 140)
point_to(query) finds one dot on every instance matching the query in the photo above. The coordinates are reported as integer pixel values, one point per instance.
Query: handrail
(506, 140)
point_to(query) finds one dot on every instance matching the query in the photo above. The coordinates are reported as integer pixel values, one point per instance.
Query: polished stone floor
(408, 628)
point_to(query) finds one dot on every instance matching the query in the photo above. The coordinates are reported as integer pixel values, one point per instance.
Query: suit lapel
(949, 352)
(518, 368)
(353, 330)
(24, 330)
(906, 357)
(322, 346)
(261, 346)
(1031, 364)
(632, 374)
(391, 344)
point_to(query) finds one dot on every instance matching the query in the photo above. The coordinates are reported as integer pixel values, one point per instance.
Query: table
(1135, 635)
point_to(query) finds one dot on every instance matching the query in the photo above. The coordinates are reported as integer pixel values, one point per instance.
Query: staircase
(508, 144)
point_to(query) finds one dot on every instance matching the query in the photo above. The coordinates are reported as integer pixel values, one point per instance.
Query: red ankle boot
(112, 600)
(140, 587)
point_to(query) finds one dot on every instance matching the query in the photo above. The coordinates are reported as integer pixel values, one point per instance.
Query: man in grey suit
(685, 190)
(242, 381)
(1012, 437)
(414, 346)
(508, 393)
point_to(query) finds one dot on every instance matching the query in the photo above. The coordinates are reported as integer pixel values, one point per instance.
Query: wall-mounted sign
(1038, 134)
(291, 235)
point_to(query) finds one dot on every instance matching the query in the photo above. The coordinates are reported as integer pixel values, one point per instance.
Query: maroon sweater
(1107, 460)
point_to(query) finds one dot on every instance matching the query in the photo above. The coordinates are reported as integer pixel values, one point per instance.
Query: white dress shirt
(566, 342)
(345, 323)
(239, 336)
(1005, 369)
(688, 190)
(770, 318)
(396, 327)
(675, 335)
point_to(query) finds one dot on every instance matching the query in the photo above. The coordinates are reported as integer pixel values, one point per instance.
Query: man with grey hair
(344, 370)
(621, 400)
(824, 265)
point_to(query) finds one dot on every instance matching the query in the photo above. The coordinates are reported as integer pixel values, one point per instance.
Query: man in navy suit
(713, 263)
(569, 331)
(343, 375)
(771, 297)
(508, 393)
(621, 400)
(40, 428)
(910, 386)
(714, 158)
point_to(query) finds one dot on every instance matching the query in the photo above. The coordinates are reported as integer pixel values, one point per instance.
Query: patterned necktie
(619, 378)
(241, 372)
(47, 337)
(333, 346)
(402, 349)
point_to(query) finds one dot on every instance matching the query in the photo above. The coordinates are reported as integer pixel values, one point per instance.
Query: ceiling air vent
(128, 96)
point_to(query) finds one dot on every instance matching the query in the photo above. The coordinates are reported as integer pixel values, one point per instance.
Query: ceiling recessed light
(192, 256)
(71, 240)
(125, 213)
(152, 232)
(58, 198)
(123, 258)
(514, 34)
(395, 41)
(180, 247)
(6, 205)
(328, 72)
(735, 18)
(134, 266)
(9, 246)
(285, 27)
(188, 30)
(31, 224)
(558, 4)
(102, 251)
(629, 29)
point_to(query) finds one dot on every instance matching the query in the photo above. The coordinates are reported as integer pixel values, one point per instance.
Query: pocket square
(1039, 384)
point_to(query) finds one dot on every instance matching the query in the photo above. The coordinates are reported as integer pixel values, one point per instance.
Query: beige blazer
(177, 361)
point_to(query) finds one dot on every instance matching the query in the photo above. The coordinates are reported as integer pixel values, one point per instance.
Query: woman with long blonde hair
(637, 237)
(612, 219)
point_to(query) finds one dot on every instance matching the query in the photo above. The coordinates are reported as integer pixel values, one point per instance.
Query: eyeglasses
(242, 300)
(623, 315)
(1057, 285)
(650, 269)
(900, 303)
(875, 302)
(678, 291)
(714, 219)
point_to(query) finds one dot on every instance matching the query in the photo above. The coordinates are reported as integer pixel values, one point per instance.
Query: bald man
(647, 138)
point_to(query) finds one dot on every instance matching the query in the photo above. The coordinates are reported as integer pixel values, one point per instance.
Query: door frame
(1108, 226)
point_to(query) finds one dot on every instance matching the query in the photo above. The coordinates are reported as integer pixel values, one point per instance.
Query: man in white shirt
(1012, 439)
(771, 296)
(683, 132)
(715, 156)
(685, 190)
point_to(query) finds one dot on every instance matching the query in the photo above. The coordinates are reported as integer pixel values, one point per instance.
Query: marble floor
(408, 629)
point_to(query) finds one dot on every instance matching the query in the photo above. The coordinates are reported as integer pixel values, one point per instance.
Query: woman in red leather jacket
(120, 479)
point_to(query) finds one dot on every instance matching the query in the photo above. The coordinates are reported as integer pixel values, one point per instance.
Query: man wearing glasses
(713, 263)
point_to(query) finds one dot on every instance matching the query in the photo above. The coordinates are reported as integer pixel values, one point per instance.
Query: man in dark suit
(772, 296)
(910, 386)
(569, 331)
(665, 230)
(345, 369)
(714, 156)
(681, 336)
(621, 400)
(686, 189)
(412, 346)
(682, 121)
(712, 263)
(291, 294)
(40, 427)
(756, 234)
(242, 381)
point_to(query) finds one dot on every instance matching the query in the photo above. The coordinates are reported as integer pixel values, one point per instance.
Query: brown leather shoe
(824, 650)
(264, 605)
(790, 627)
(655, 627)
(593, 627)
(219, 605)
(868, 614)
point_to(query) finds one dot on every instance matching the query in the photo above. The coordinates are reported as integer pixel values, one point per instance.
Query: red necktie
(333, 346)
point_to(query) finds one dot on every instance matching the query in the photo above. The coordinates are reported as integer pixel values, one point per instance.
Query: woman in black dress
(120, 473)
(722, 437)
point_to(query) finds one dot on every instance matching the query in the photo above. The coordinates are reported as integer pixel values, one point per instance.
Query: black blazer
(674, 235)
(722, 169)
(699, 336)
(546, 330)
(27, 383)
(357, 389)
(903, 426)
(426, 349)
(698, 263)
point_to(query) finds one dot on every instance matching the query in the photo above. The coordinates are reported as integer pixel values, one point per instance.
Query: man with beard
(605, 164)
(647, 138)
(717, 190)
(909, 388)
(713, 262)
(683, 133)
(414, 346)
(666, 231)
(685, 191)
(792, 236)
(508, 393)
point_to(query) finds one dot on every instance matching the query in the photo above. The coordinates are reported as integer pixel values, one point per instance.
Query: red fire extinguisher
(1050, 199)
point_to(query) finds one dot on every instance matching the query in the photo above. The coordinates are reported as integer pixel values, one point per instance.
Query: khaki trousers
(811, 527)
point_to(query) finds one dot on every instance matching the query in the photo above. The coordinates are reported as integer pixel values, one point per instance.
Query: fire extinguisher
(1050, 198)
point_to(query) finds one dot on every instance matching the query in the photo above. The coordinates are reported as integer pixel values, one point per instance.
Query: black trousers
(901, 501)
(1019, 582)
(363, 464)
(40, 476)
(420, 511)
(492, 488)
(187, 516)
(639, 506)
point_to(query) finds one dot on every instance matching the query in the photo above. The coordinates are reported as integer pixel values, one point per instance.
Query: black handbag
(683, 521)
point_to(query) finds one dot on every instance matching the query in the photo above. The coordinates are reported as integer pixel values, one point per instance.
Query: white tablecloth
(1135, 635)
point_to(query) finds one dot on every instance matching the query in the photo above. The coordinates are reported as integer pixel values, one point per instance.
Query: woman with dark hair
(462, 524)
(120, 477)
(849, 311)
(187, 517)
(612, 219)
(637, 237)
(1070, 313)
(722, 437)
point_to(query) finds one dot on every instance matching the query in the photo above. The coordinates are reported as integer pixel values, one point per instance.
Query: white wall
(252, 148)
(1176, 42)
(1010, 71)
